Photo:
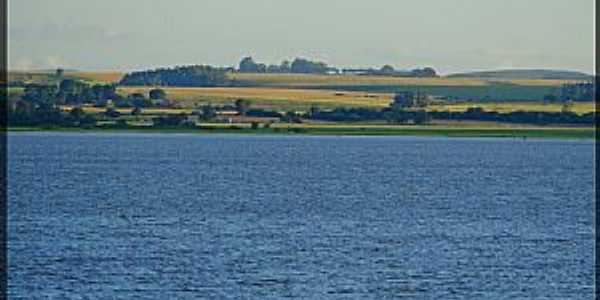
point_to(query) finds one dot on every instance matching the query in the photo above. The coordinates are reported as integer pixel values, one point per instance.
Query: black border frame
(3, 148)
(597, 169)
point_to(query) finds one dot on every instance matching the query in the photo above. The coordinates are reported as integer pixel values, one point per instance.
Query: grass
(462, 89)
(34, 77)
(284, 92)
(271, 98)
(359, 130)
(340, 80)
(97, 77)
(456, 88)
(286, 80)
(302, 99)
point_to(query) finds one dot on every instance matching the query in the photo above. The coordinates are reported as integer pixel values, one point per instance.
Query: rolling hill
(525, 74)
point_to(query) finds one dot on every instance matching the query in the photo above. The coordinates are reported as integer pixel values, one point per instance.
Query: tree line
(581, 91)
(184, 76)
(298, 65)
(305, 66)
(40, 104)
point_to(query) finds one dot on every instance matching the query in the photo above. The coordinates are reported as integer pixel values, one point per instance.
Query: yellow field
(539, 82)
(505, 107)
(306, 79)
(100, 76)
(27, 76)
(272, 98)
(286, 99)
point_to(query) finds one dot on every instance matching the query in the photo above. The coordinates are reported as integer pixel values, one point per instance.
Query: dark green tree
(157, 94)
(208, 112)
(247, 65)
(242, 106)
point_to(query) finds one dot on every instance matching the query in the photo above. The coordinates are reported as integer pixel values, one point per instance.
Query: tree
(273, 69)
(73, 91)
(157, 94)
(247, 65)
(567, 107)
(208, 112)
(41, 94)
(291, 117)
(314, 111)
(300, 65)
(186, 76)
(285, 67)
(421, 117)
(261, 68)
(76, 113)
(136, 111)
(474, 113)
(425, 72)
(550, 98)
(170, 120)
(396, 116)
(139, 100)
(387, 70)
(404, 100)
(87, 121)
(112, 113)
(242, 106)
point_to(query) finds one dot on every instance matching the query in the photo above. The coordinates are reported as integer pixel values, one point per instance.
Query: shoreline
(581, 133)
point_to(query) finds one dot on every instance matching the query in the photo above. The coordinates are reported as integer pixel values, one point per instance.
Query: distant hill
(525, 74)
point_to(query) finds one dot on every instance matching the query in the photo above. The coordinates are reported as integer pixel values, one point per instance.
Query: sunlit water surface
(125, 216)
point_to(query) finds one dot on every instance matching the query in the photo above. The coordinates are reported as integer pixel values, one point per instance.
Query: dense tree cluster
(420, 116)
(186, 76)
(179, 120)
(40, 104)
(388, 70)
(524, 117)
(70, 92)
(305, 66)
(583, 91)
(346, 115)
(23, 113)
(577, 92)
(409, 99)
(299, 65)
(75, 93)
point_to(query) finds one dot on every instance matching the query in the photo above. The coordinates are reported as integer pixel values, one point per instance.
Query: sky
(448, 35)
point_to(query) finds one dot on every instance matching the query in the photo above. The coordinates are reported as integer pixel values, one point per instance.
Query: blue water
(128, 216)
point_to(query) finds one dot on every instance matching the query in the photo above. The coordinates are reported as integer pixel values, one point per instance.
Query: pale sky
(449, 35)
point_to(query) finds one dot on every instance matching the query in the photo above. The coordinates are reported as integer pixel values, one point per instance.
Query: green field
(293, 92)
(360, 130)
(456, 89)
(282, 99)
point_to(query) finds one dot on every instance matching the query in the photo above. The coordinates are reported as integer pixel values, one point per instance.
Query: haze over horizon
(451, 36)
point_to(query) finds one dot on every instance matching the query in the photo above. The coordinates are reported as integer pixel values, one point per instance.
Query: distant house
(333, 71)
(355, 71)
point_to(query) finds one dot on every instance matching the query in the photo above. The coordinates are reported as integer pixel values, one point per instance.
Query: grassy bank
(355, 130)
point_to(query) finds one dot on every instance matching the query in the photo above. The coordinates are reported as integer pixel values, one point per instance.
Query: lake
(166, 216)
